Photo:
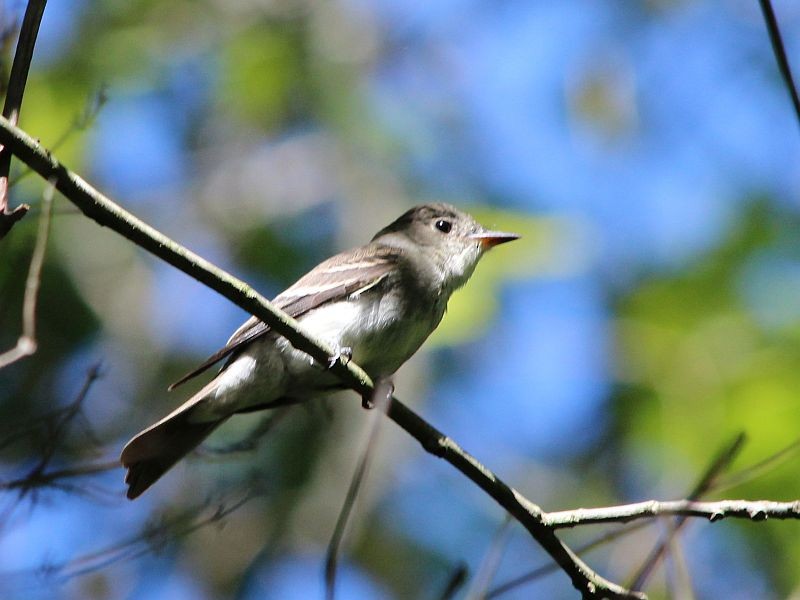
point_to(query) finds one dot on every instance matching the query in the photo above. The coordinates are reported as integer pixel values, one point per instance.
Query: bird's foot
(381, 394)
(342, 354)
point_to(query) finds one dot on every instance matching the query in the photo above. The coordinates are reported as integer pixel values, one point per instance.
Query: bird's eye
(444, 226)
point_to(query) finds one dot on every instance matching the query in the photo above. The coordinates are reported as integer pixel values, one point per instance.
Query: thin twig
(153, 536)
(457, 578)
(16, 89)
(39, 479)
(549, 568)
(65, 414)
(380, 399)
(57, 424)
(679, 582)
(758, 469)
(754, 510)
(83, 120)
(703, 485)
(780, 53)
(488, 567)
(707, 480)
(26, 344)
(530, 516)
(100, 208)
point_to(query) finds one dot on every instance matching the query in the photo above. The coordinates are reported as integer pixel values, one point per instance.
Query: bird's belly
(381, 335)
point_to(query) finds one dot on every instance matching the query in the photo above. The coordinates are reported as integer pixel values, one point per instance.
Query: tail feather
(152, 452)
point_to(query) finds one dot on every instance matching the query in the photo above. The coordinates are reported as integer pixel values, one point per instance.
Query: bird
(376, 304)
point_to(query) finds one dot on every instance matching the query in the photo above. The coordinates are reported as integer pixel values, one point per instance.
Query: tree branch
(755, 510)
(16, 89)
(780, 54)
(701, 488)
(26, 344)
(381, 396)
(589, 583)
(39, 479)
(707, 481)
(105, 212)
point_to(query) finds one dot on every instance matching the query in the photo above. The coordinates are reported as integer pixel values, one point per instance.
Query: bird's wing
(343, 276)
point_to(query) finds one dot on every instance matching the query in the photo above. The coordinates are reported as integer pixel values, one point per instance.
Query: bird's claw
(382, 387)
(343, 354)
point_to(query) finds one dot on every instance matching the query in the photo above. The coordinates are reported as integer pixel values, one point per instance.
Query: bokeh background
(646, 150)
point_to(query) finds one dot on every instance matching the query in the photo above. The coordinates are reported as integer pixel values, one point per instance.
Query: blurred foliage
(263, 78)
(272, 106)
(694, 347)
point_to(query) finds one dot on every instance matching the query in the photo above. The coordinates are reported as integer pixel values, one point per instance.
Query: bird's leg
(342, 354)
(381, 393)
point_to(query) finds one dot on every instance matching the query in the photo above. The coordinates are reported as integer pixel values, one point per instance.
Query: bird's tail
(152, 452)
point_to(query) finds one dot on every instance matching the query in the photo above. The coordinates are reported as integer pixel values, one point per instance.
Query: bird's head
(450, 242)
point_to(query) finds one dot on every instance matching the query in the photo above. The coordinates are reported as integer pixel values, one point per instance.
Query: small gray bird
(376, 303)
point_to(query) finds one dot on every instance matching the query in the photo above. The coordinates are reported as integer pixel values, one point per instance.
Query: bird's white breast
(381, 330)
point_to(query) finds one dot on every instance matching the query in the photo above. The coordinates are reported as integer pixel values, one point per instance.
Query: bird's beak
(489, 239)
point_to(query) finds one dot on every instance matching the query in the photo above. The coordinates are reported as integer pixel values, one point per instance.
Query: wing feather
(345, 275)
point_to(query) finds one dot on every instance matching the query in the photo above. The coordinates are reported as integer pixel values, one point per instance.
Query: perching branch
(26, 344)
(16, 89)
(754, 510)
(105, 212)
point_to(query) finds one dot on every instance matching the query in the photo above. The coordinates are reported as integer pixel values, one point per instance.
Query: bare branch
(679, 581)
(488, 567)
(39, 479)
(754, 510)
(16, 89)
(780, 53)
(83, 120)
(549, 568)
(56, 425)
(758, 469)
(706, 482)
(585, 580)
(26, 344)
(100, 208)
(154, 535)
(456, 580)
(380, 399)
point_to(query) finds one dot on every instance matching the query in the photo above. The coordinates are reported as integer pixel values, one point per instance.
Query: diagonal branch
(381, 396)
(780, 53)
(706, 482)
(586, 581)
(549, 568)
(16, 89)
(105, 212)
